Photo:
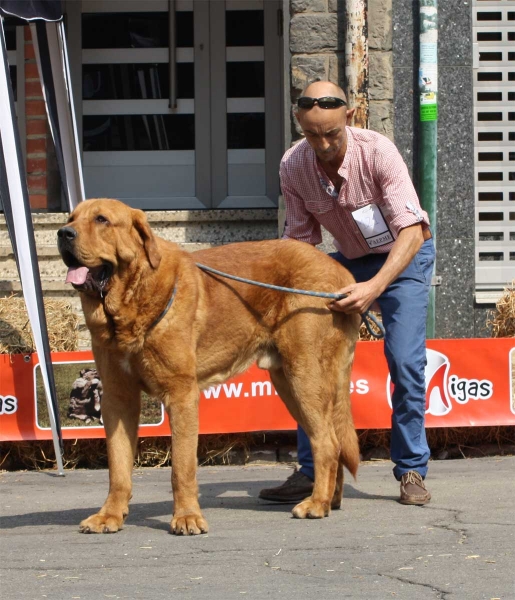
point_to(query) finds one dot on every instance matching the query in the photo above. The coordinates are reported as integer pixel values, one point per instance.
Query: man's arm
(300, 224)
(361, 295)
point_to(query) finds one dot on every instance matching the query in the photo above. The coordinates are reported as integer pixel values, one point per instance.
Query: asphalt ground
(460, 546)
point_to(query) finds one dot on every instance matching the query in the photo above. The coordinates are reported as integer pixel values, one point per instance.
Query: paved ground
(461, 546)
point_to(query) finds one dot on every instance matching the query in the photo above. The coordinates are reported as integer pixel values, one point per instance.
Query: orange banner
(468, 382)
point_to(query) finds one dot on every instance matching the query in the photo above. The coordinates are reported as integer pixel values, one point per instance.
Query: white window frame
(213, 163)
(492, 276)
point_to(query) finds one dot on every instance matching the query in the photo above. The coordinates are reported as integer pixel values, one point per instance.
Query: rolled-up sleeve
(399, 195)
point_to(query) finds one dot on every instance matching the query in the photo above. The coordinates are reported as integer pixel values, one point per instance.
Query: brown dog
(213, 329)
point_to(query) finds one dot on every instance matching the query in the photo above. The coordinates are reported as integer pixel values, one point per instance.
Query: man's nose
(324, 145)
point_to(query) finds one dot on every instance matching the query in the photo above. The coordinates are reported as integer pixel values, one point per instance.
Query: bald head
(324, 128)
(318, 89)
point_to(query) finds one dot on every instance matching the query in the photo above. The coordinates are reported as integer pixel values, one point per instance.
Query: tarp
(469, 382)
(50, 47)
(32, 10)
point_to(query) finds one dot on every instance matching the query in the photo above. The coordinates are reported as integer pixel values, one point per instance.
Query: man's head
(324, 128)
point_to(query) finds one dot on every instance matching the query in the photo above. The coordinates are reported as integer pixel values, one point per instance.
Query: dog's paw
(192, 524)
(336, 503)
(101, 523)
(309, 509)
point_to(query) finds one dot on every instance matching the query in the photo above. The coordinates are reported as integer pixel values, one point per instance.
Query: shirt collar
(325, 183)
(344, 167)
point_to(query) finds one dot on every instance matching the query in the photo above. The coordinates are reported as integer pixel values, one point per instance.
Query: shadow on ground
(144, 514)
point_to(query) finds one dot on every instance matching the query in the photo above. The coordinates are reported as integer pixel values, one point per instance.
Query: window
(494, 134)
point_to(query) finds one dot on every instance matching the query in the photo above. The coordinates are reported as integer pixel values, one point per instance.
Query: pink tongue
(77, 275)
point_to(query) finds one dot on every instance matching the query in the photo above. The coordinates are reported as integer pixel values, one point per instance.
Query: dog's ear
(141, 225)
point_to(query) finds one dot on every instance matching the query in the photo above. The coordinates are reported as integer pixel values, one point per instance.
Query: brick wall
(37, 130)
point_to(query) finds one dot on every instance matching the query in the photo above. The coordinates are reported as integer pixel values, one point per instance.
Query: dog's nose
(67, 233)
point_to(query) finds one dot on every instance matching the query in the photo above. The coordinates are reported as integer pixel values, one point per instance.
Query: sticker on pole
(428, 112)
(428, 84)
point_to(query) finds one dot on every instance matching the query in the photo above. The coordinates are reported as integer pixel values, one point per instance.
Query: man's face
(325, 131)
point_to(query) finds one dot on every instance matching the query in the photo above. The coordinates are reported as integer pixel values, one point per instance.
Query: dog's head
(101, 239)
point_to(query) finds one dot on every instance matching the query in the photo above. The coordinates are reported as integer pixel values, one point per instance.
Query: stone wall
(317, 45)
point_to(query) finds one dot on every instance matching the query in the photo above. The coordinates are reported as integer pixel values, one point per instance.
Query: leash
(365, 317)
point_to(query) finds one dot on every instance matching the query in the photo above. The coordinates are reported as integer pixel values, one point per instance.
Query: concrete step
(191, 230)
(212, 227)
(51, 267)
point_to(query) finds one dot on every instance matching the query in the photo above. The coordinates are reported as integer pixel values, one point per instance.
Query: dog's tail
(343, 421)
(349, 448)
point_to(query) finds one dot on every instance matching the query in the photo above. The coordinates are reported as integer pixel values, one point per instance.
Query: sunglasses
(325, 102)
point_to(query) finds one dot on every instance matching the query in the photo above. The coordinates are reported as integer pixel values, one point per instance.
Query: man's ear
(139, 220)
(350, 115)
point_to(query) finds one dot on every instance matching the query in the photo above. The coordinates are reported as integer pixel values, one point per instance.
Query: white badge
(372, 225)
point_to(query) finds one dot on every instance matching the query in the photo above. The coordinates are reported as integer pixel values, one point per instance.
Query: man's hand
(360, 296)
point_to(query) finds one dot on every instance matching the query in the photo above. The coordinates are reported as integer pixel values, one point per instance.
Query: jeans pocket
(424, 261)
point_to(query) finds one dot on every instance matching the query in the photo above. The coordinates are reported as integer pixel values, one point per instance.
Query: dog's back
(307, 348)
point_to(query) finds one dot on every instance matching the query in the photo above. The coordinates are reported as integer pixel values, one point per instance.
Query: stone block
(301, 6)
(305, 69)
(381, 117)
(380, 76)
(380, 24)
(337, 69)
(336, 6)
(316, 33)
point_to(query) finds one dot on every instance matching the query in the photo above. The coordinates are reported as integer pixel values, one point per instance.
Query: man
(355, 183)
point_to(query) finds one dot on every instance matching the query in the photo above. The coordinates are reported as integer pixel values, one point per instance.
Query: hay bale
(501, 321)
(16, 333)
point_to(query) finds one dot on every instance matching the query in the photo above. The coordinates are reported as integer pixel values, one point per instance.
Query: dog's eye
(101, 219)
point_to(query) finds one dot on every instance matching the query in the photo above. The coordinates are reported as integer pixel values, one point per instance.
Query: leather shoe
(413, 489)
(295, 489)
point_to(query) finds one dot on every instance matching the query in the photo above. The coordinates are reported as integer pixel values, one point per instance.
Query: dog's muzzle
(80, 276)
(65, 241)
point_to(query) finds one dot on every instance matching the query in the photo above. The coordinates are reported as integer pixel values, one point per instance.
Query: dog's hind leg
(120, 412)
(307, 393)
(338, 489)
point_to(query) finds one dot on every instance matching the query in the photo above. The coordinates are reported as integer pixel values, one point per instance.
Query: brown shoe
(297, 487)
(413, 490)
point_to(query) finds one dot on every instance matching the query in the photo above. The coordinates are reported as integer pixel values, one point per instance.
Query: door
(180, 101)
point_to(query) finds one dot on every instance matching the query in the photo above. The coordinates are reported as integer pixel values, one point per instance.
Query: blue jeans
(404, 311)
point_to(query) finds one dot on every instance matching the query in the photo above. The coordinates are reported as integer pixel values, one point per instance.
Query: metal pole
(428, 93)
(356, 60)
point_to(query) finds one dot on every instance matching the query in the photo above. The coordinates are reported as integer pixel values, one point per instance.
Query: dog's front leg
(120, 412)
(182, 408)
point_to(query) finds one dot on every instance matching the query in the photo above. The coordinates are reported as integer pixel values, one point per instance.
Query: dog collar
(167, 307)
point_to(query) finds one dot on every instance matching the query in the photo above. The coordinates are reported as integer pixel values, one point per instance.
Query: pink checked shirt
(376, 199)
